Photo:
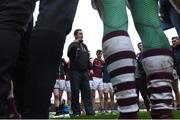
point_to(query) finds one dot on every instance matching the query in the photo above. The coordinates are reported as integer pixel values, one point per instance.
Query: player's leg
(75, 87)
(93, 90)
(53, 24)
(119, 55)
(56, 96)
(12, 111)
(111, 92)
(61, 89)
(86, 94)
(106, 90)
(101, 94)
(157, 60)
(14, 18)
(68, 91)
(177, 93)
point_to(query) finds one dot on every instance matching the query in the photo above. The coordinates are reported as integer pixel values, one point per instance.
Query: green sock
(115, 15)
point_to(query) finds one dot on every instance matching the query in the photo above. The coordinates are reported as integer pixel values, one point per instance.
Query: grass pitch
(111, 115)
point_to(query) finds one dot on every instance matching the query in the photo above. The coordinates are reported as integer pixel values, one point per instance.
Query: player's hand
(91, 71)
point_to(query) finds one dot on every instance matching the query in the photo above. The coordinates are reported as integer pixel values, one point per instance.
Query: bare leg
(101, 97)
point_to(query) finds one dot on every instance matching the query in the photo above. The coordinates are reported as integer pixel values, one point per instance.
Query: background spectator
(79, 65)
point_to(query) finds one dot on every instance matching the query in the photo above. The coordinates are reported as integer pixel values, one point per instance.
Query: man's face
(99, 55)
(173, 40)
(79, 35)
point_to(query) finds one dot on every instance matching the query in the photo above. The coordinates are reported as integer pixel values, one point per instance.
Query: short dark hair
(76, 31)
(174, 38)
(98, 51)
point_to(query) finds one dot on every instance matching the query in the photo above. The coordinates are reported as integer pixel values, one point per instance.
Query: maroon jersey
(97, 67)
(68, 71)
(61, 69)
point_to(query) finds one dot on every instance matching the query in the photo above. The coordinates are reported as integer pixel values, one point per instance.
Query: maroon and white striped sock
(158, 65)
(120, 59)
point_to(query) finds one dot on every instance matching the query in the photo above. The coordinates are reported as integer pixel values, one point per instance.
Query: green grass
(176, 114)
(143, 115)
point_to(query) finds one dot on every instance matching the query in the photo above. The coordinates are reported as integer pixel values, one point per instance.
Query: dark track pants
(80, 82)
(45, 48)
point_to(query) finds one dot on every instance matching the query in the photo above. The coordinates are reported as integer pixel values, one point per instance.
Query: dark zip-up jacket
(79, 56)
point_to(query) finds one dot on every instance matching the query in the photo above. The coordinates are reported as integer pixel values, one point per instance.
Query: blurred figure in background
(59, 86)
(176, 52)
(176, 72)
(108, 91)
(98, 64)
(140, 79)
(78, 54)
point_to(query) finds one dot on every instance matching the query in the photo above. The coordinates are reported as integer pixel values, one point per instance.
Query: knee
(92, 95)
(101, 97)
(56, 96)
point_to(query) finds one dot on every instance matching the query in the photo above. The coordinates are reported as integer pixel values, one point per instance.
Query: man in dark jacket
(79, 66)
(170, 15)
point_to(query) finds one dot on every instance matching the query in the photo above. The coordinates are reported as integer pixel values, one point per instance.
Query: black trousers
(45, 48)
(142, 88)
(18, 74)
(177, 61)
(80, 82)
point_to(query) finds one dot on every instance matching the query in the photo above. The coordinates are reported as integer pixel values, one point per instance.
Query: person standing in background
(176, 52)
(59, 86)
(176, 72)
(170, 16)
(98, 64)
(79, 65)
(140, 79)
